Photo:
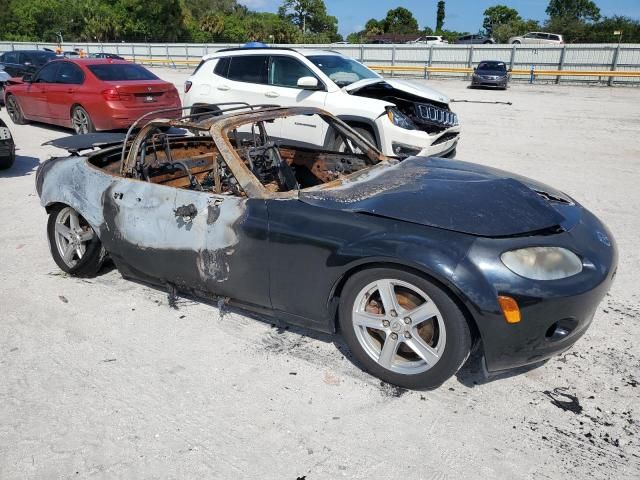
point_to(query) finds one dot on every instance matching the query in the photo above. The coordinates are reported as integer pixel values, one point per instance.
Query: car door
(34, 99)
(61, 94)
(245, 80)
(202, 242)
(284, 73)
(530, 38)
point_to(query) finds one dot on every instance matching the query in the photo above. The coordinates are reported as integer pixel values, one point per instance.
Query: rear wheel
(202, 113)
(516, 42)
(81, 121)
(74, 245)
(403, 328)
(14, 111)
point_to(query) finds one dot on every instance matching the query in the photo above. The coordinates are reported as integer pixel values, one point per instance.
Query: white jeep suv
(401, 118)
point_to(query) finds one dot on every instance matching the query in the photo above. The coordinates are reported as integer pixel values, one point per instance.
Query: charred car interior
(195, 162)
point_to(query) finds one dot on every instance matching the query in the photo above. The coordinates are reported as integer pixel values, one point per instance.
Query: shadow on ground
(473, 372)
(23, 165)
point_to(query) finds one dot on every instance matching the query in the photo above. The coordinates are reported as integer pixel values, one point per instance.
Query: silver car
(538, 38)
(476, 39)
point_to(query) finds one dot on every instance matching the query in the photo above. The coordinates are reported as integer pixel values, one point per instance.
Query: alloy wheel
(72, 236)
(80, 121)
(13, 109)
(399, 326)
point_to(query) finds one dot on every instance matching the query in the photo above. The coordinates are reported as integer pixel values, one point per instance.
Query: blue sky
(462, 15)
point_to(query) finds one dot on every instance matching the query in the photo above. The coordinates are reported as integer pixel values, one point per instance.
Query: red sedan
(89, 95)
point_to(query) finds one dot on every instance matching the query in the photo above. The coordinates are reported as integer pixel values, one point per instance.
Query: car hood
(401, 85)
(451, 195)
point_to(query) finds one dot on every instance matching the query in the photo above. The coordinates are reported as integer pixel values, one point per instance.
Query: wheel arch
(360, 122)
(455, 294)
(54, 204)
(15, 97)
(204, 107)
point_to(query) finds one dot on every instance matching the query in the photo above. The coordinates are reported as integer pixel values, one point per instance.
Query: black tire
(9, 149)
(7, 161)
(516, 42)
(93, 258)
(81, 121)
(338, 143)
(458, 342)
(14, 110)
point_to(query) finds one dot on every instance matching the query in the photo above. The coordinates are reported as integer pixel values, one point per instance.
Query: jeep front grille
(441, 117)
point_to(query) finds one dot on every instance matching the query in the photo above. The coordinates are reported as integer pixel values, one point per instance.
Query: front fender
(434, 254)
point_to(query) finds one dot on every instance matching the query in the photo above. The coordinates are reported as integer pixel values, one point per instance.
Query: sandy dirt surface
(100, 378)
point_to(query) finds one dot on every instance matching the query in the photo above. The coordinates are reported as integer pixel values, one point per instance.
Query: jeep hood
(451, 195)
(399, 85)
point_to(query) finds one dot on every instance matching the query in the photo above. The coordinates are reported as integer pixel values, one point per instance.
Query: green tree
(602, 31)
(401, 21)
(582, 10)
(440, 16)
(213, 24)
(499, 15)
(310, 16)
(504, 31)
(200, 8)
(374, 27)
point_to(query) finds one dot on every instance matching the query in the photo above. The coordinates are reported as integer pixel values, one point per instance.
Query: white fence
(578, 57)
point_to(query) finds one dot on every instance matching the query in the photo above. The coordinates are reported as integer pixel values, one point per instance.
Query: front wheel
(403, 328)
(340, 146)
(81, 121)
(74, 245)
(516, 42)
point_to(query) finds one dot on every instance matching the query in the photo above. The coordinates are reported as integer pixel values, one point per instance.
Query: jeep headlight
(542, 263)
(399, 119)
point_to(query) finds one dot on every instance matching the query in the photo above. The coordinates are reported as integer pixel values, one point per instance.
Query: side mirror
(27, 78)
(308, 83)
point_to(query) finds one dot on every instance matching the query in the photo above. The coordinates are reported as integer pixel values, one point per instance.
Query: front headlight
(399, 119)
(542, 263)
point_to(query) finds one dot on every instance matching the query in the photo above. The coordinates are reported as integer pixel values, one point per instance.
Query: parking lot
(102, 378)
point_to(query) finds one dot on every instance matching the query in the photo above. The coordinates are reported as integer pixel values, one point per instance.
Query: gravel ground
(101, 378)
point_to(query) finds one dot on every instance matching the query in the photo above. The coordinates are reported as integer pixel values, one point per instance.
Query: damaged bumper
(401, 142)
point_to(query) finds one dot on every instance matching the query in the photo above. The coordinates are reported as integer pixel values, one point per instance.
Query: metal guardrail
(573, 62)
(426, 69)
(549, 73)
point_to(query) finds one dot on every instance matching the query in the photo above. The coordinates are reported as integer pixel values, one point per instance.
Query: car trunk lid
(137, 94)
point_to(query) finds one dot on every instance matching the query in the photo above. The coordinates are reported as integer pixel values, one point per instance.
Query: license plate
(149, 99)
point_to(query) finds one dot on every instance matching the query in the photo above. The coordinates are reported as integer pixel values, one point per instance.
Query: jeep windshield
(343, 71)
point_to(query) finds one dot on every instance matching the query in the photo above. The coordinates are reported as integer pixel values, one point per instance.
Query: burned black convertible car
(414, 262)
